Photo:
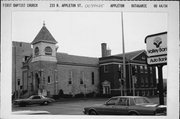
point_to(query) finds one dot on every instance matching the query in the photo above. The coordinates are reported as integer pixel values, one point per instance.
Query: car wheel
(92, 112)
(22, 104)
(46, 103)
(133, 113)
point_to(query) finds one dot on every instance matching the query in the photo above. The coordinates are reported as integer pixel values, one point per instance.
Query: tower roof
(44, 36)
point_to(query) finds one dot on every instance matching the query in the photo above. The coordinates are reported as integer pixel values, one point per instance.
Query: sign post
(160, 85)
(157, 56)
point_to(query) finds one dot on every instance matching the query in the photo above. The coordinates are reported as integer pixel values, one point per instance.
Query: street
(68, 106)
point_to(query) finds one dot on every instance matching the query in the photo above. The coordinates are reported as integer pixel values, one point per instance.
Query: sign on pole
(157, 55)
(157, 60)
(156, 45)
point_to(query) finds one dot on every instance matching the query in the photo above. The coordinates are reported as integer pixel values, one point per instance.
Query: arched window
(92, 76)
(48, 51)
(36, 51)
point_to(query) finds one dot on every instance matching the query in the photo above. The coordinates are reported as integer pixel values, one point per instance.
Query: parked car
(126, 105)
(31, 112)
(34, 99)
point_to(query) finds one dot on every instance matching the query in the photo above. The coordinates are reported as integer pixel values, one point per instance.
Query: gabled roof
(73, 60)
(135, 56)
(66, 59)
(131, 55)
(44, 36)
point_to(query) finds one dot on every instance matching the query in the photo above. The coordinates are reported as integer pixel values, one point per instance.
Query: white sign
(157, 60)
(156, 44)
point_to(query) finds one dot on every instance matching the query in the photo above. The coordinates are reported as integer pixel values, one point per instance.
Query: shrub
(55, 97)
(61, 92)
(66, 96)
(103, 95)
(80, 95)
(92, 94)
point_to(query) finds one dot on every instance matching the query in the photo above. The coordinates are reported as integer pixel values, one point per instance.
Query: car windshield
(42, 96)
(111, 101)
(36, 97)
(31, 97)
(141, 100)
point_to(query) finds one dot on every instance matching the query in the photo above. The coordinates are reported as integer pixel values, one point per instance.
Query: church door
(37, 82)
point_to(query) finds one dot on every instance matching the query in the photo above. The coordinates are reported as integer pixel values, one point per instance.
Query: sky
(81, 33)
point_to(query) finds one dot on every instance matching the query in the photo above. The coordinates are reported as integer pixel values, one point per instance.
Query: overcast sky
(81, 33)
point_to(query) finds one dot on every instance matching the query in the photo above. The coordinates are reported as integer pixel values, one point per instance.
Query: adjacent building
(21, 51)
(140, 79)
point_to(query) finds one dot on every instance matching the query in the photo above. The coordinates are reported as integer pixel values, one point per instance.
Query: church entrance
(106, 89)
(37, 82)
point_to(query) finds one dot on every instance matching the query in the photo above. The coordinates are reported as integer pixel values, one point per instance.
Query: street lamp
(85, 89)
(120, 85)
(56, 83)
(133, 83)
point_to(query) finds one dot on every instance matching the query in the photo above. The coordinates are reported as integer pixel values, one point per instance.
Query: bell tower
(44, 46)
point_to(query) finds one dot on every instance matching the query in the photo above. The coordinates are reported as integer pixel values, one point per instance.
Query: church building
(48, 71)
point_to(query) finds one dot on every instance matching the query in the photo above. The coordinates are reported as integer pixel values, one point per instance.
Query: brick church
(45, 71)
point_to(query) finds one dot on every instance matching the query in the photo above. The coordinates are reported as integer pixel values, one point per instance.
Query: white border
(173, 53)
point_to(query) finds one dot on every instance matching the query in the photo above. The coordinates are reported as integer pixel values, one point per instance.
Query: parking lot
(68, 106)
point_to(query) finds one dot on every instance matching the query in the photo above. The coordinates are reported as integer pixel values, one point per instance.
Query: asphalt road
(63, 106)
(67, 106)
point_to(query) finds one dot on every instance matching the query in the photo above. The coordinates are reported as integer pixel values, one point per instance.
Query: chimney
(108, 52)
(103, 49)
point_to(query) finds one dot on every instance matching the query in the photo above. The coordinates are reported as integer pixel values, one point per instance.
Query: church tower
(44, 46)
(44, 63)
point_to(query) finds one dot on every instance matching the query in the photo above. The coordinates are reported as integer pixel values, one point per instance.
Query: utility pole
(133, 79)
(124, 62)
(160, 86)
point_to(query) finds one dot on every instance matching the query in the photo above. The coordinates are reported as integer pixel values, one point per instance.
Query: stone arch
(37, 81)
(48, 50)
(36, 51)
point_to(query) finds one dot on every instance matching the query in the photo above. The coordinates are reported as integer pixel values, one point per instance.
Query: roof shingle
(64, 58)
(44, 36)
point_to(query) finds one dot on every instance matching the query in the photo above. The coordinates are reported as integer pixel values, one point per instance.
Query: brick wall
(19, 51)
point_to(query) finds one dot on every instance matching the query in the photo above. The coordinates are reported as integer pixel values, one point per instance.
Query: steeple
(44, 46)
(44, 23)
(44, 36)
